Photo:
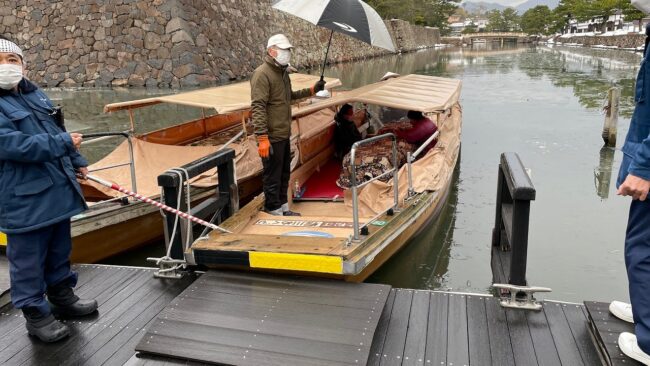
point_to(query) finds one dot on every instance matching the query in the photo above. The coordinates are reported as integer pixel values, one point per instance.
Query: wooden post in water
(611, 117)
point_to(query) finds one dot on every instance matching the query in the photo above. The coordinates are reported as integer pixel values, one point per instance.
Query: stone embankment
(170, 42)
(626, 41)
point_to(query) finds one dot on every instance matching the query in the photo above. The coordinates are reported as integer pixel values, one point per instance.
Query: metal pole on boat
(142, 198)
(355, 203)
(395, 175)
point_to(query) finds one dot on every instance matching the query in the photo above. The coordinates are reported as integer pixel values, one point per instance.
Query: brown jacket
(271, 97)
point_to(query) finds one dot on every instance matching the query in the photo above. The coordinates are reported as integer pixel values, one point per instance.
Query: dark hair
(345, 109)
(414, 115)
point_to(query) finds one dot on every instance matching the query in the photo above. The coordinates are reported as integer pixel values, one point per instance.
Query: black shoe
(290, 213)
(79, 308)
(65, 303)
(44, 327)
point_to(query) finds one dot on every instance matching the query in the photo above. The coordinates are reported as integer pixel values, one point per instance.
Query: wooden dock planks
(606, 329)
(258, 319)
(463, 329)
(129, 298)
(253, 319)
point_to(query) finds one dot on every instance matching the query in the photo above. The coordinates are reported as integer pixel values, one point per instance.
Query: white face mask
(643, 5)
(283, 57)
(10, 76)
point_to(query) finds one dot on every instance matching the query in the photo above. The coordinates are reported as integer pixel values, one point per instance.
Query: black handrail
(224, 202)
(510, 234)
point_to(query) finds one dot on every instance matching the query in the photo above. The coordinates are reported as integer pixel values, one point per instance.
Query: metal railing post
(134, 186)
(353, 179)
(355, 203)
(410, 173)
(395, 175)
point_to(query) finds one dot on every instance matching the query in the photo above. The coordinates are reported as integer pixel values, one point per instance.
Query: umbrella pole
(322, 72)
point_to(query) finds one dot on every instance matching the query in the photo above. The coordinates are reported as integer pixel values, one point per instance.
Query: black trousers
(277, 169)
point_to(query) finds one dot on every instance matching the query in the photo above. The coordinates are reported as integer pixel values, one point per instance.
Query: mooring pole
(611, 117)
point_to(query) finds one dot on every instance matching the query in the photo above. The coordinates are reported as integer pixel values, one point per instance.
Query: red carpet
(322, 185)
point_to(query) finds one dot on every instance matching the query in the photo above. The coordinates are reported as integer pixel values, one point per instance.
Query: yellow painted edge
(296, 262)
(3, 239)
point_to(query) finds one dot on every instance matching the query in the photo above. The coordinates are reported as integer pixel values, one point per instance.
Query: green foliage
(537, 20)
(510, 19)
(583, 10)
(470, 29)
(503, 21)
(433, 13)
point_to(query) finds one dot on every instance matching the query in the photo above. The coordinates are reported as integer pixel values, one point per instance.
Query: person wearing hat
(40, 193)
(634, 181)
(271, 97)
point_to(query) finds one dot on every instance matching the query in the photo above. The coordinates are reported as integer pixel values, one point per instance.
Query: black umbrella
(352, 17)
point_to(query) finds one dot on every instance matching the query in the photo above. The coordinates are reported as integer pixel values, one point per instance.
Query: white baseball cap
(280, 41)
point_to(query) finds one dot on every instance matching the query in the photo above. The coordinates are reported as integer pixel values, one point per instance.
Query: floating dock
(237, 318)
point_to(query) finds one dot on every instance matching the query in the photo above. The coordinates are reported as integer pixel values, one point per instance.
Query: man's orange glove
(263, 146)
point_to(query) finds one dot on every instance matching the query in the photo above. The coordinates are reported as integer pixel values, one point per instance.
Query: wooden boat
(114, 224)
(347, 238)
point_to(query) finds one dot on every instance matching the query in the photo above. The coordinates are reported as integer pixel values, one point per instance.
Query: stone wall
(628, 41)
(170, 42)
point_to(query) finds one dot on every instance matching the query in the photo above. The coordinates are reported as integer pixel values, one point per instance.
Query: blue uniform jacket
(38, 187)
(636, 150)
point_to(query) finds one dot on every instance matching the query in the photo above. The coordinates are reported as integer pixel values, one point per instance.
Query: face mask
(283, 57)
(643, 5)
(10, 76)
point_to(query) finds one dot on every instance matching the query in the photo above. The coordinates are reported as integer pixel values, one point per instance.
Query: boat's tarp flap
(422, 93)
(152, 160)
(224, 99)
(430, 172)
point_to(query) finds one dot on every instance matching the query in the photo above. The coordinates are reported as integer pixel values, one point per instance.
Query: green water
(543, 103)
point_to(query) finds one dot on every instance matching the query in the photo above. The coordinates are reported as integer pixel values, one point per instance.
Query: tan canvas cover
(422, 93)
(152, 160)
(430, 172)
(224, 99)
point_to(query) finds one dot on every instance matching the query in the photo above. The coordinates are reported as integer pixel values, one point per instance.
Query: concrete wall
(620, 41)
(170, 42)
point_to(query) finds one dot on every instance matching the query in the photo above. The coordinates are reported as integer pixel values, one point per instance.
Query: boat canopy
(423, 93)
(224, 99)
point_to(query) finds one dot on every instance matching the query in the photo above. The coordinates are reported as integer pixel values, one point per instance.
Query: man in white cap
(271, 98)
(38, 162)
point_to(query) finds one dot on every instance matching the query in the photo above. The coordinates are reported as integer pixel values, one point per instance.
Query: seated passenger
(346, 132)
(416, 131)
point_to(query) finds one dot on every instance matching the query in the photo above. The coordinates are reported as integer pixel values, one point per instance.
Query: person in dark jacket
(39, 195)
(271, 98)
(634, 181)
(345, 132)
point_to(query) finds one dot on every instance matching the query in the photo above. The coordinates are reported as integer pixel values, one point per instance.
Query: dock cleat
(64, 303)
(621, 310)
(629, 346)
(44, 327)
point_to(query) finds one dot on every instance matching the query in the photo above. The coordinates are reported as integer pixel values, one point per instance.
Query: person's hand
(76, 139)
(634, 186)
(263, 146)
(82, 171)
(320, 85)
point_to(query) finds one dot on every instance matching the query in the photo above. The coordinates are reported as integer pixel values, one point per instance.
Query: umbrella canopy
(352, 17)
